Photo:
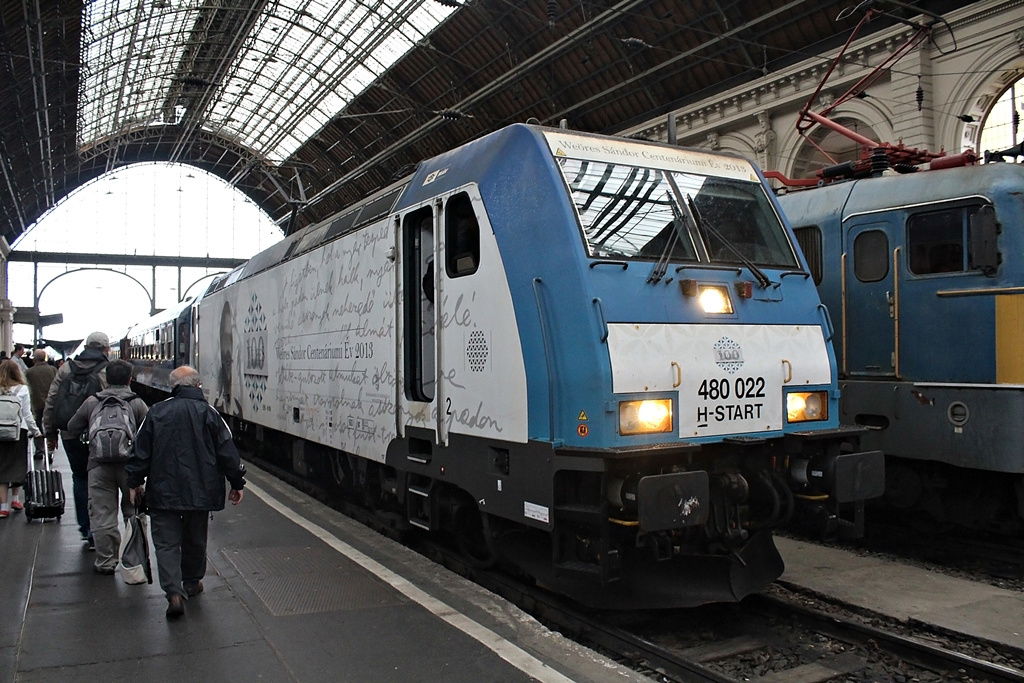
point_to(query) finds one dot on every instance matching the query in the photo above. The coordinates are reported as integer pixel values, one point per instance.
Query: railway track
(780, 636)
(774, 638)
(997, 557)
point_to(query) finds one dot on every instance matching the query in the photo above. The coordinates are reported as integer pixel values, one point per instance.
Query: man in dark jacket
(39, 377)
(183, 452)
(92, 360)
(107, 478)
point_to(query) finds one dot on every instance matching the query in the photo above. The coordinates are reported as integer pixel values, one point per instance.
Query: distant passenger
(183, 452)
(76, 381)
(39, 377)
(106, 469)
(19, 357)
(14, 454)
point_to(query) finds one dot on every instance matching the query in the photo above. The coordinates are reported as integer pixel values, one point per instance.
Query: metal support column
(6, 307)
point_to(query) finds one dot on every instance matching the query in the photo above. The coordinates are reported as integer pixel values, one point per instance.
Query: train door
(440, 246)
(870, 281)
(417, 390)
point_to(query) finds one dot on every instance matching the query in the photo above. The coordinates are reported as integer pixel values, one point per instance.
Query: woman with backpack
(16, 426)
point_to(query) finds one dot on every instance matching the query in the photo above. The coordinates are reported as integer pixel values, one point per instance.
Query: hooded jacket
(87, 359)
(183, 452)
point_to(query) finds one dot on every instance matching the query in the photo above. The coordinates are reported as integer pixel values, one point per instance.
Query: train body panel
(925, 272)
(317, 353)
(516, 344)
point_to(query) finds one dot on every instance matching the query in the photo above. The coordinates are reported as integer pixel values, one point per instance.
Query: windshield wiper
(704, 229)
(661, 267)
(703, 226)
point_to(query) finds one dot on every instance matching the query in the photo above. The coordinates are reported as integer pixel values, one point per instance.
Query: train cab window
(937, 240)
(647, 213)
(738, 221)
(627, 212)
(871, 255)
(809, 239)
(462, 237)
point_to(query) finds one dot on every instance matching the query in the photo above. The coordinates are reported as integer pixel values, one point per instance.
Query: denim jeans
(78, 458)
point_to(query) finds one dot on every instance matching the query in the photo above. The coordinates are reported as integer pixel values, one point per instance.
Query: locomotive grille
(477, 351)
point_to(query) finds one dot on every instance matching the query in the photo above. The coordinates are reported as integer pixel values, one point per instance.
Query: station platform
(296, 591)
(907, 593)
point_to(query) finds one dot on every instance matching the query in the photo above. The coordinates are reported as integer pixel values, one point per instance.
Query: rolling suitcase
(44, 493)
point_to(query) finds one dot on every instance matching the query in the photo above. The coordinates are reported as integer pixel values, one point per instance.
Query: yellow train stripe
(1009, 334)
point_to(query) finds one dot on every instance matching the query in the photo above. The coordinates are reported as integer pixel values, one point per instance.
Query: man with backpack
(76, 381)
(111, 419)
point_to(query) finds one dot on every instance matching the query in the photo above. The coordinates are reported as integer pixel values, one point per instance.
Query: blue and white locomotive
(925, 272)
(600, 360)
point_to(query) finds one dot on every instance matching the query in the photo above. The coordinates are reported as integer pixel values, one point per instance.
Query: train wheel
(473, 536)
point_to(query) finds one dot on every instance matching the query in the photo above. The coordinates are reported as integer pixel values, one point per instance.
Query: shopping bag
(134, 563)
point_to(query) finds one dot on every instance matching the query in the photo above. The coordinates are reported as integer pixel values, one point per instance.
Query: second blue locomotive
(924, 272)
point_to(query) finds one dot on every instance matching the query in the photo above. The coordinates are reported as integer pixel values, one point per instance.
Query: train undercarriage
(672, 527)
(989, 502)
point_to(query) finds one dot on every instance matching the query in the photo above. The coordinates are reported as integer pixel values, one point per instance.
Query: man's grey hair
(39, 355)
(184, 376)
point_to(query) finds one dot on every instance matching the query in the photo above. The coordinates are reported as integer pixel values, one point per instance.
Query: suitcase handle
(46, 456)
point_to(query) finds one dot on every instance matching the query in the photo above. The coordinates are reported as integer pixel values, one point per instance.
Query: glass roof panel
(129, 49)
(300, 64)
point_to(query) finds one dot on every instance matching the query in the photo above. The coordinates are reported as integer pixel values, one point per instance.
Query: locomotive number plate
(731, 404)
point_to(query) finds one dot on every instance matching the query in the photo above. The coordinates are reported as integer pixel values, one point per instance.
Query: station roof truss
(308, 105)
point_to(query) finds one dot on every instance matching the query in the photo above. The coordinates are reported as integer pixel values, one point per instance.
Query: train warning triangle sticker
(583, 416)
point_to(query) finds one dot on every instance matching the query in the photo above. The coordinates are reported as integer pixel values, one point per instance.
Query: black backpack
(79, 385)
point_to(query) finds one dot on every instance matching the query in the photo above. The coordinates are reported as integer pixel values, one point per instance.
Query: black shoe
(175, 606)
(90, 543)
(193, 591)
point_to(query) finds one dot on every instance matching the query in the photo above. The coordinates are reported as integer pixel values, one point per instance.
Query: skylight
(302, 62)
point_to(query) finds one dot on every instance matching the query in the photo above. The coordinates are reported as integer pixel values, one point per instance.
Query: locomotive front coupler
(826, 462)
(662, 502)
(827, 474)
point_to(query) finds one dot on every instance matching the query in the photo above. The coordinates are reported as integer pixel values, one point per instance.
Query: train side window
(462, 237)
(935, 240)
(809, 238)
(871, 255)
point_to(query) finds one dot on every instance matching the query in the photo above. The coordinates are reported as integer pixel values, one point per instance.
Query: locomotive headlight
(652, 416)
(806, 406)
(715, 299)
